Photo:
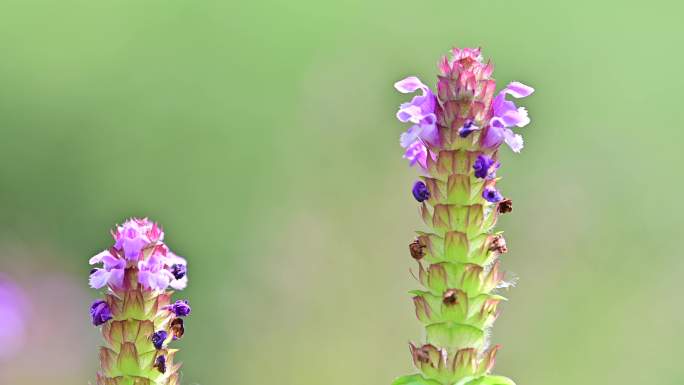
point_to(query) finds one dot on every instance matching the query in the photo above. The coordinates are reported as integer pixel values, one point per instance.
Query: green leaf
(414, 379)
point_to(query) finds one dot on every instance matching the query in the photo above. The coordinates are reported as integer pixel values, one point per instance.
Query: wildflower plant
(454, 141)
(137, 318)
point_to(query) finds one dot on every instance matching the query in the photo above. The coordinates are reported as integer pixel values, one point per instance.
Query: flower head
(420, 191)
(100, 312)
(485, 167)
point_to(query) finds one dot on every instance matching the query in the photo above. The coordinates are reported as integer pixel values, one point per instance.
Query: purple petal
(179, 284)
(517, 117)
(409, 137)
(98, 257)
(116, 277)
(409, 84)
(518, 90)
(514, 141)
(98, 279)
(493, 136)
(417, 153)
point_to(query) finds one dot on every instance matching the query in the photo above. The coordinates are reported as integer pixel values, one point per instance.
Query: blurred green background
(262, 136)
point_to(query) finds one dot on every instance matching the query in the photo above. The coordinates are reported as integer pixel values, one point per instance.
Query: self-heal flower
(111, 273)
(160, 364)
(180, 308)
(420, 111)
(485, 167)
(458, 254)
(158, 339)
(491, 194)
(137, 316)
(417, 153)
(100, 312)
(178, 270)
(506, 115)
(420, 191)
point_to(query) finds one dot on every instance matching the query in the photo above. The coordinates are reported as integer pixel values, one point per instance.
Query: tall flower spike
(458, 258)
(137, 317)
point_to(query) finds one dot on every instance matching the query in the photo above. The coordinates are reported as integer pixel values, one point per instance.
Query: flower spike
(137, 319)
(455, 137)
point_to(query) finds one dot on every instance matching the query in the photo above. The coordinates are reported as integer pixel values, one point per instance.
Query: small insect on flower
(420, 191)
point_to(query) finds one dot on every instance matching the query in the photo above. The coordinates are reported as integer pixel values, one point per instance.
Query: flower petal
(98, 279)
(179, 284)
(409, 84)
(514, 141)
(98, 257)
(518, 90)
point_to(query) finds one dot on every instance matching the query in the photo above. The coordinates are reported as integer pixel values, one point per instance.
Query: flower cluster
(454, 140)
(137, 317)
(464, 114)
(139, 243)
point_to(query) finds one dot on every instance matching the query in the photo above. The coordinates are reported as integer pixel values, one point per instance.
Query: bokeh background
(262, 136)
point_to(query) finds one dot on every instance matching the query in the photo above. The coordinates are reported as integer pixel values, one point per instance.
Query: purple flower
(491, 194)
(180, 308)
(467, 129)
(100, 312)
(112, 272)
(14, 317)
(178, 270)
(420, 191)
(485, 167)
(158, 339)
(131, 239)
(420, 111)
(506, 115)
(417, 153)
(152, 274)
(160, 364)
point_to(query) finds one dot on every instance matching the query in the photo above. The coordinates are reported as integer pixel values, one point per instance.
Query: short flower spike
(137, 317)
(454, 140)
